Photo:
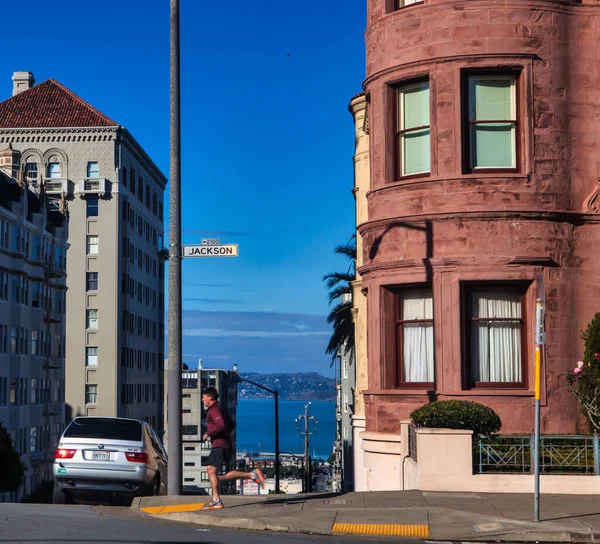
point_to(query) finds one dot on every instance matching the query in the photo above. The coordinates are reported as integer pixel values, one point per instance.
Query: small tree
(584, 379)
(12, 472)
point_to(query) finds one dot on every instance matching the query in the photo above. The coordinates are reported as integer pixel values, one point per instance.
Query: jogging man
(218, 428)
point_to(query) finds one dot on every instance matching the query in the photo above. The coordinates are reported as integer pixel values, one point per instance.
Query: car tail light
(62, 453)
(136, 457)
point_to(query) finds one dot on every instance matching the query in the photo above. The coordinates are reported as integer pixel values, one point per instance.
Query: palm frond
(333, 278)
(338, 291)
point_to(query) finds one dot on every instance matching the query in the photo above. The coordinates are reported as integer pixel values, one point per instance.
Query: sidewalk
(433, 515)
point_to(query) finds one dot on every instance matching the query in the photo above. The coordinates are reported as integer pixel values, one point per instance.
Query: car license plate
(100, 456)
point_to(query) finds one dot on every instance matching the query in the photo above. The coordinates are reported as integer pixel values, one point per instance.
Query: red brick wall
(487, 226)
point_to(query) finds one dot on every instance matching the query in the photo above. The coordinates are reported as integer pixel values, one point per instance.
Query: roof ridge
(80, 100)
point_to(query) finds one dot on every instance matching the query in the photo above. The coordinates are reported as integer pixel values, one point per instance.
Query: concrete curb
(252, 524)
(230, 522)
(536, 536)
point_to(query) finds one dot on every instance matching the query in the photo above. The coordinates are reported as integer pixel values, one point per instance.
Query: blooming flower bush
(584, 379)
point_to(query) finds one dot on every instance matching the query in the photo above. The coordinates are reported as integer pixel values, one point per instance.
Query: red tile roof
(50, 105)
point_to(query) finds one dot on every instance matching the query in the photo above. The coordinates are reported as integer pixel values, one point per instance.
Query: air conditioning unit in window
(92, 186)
(57, 186)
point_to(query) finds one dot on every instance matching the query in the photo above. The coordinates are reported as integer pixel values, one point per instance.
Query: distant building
(115, 297)
(343, 468)
(33, 246)
(195, 451)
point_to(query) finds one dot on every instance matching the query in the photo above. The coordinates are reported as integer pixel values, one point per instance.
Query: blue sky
(267, 145)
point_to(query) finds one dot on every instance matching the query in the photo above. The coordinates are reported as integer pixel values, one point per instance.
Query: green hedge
(457, 414)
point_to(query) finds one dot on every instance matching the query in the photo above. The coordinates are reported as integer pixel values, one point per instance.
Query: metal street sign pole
(540, 340)
(174, 317)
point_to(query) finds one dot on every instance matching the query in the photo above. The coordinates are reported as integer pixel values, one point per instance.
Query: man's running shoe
(213, 505)
(258, 477)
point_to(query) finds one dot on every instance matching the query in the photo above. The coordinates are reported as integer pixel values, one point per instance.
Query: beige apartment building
(33, 245)
(115, 297)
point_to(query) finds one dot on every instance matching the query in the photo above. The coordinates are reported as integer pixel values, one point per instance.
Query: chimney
(22, 81)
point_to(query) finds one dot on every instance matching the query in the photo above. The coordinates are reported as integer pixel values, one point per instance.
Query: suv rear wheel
(59, 496)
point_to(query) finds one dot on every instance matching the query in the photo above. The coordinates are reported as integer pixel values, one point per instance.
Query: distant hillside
(300, 386)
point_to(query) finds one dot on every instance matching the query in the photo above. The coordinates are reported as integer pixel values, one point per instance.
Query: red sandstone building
(484, 145)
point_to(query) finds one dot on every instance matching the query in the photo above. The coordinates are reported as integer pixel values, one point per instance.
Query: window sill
(492, 392)
(405, 391)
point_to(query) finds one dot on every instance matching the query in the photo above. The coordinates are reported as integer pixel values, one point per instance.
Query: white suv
(108, 457)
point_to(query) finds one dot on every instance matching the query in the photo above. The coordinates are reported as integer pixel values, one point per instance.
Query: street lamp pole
(174, 316)
(274, 392)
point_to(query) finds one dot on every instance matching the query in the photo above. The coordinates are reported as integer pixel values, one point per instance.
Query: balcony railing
(51, 363)
(53, 408)
(92, 186)
(53, 317)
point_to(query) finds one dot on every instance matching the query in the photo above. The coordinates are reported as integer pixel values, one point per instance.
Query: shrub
(584, 379)
(43, 493)
(457, 414)
(12, 471)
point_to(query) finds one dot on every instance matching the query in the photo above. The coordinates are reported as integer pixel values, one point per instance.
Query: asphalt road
(54, 524)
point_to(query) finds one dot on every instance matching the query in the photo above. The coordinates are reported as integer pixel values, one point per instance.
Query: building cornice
(488, 57)
(559, 216)
(61, 130)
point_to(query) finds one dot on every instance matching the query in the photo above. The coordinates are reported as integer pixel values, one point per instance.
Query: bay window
(414, 336)
(492, 122)
(413, 130)
(495, 335)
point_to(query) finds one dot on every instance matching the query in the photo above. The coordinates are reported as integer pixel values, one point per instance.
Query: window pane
(493, 145)
(92, 245)
(413, 112)
(54, 170)
(92, 170)
(417, 338)
(415, 106)
(415, 152)
(496, 345)
(491, 99)
(92, 206)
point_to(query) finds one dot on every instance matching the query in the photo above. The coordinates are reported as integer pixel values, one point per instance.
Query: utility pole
(174, 316)
(307, 434)
(540, 340)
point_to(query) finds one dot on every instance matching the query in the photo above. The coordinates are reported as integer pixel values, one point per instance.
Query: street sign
(225, 250)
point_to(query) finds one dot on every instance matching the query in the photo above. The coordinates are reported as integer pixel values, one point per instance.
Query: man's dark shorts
(219, 458)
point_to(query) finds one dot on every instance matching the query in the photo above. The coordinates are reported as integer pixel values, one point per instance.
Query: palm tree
(340, 316)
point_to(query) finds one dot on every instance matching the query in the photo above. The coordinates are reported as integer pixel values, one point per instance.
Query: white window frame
(91, 356)
(91, 320)
(400, 126)
(91, 393)
(90, 245)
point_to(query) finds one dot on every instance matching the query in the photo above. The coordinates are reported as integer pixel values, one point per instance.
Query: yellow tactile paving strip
(171, 509)
(421, 531)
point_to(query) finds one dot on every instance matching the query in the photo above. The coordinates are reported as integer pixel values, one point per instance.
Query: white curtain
(496, 345)
(417, 338)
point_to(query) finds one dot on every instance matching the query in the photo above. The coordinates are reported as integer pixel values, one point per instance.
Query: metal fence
(558, 454)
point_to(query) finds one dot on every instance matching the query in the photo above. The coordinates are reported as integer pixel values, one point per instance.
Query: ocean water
(255, 427)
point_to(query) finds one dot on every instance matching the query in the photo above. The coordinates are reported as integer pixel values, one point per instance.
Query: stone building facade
(484, 131)
(115, 298)
(33, 247)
